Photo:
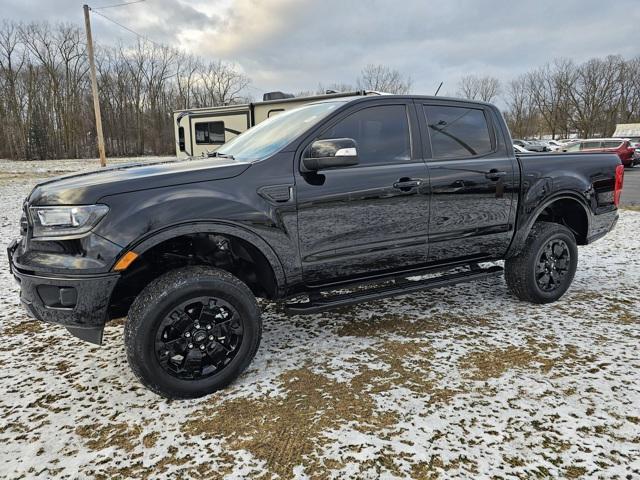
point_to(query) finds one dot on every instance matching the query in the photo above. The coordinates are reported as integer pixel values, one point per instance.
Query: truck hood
(89, 187)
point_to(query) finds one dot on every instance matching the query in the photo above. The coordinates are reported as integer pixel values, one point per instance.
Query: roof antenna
(439, 87)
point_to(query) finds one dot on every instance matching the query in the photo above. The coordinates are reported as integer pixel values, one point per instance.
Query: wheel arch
(148, 241)
(271, 270)
(566, 208)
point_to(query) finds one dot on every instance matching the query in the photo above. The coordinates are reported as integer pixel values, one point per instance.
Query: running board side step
(318, 303)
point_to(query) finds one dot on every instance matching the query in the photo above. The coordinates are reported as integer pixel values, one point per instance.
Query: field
(458, 382)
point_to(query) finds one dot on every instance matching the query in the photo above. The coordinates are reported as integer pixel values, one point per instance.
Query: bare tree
(595, 94)
(550, 88)
(485, 89)
(13, 103)
(188, 68)
(521, 114)
(223, 83)
(629, 101)
(383, 79)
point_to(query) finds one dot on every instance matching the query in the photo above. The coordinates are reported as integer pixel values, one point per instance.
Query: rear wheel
(192, 331)
(545, 268)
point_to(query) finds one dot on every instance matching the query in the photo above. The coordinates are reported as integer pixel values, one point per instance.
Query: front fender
(141, 245)
(224, 206)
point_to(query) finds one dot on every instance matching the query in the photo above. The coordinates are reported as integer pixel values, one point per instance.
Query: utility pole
(94, 87)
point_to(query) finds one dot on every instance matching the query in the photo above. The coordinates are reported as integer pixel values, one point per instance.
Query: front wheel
(543, 271)
(192, 331)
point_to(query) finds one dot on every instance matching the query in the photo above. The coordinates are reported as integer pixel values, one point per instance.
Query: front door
(473, 178)
(372, 217)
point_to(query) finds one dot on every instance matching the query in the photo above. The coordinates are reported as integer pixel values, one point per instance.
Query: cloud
(292, 45)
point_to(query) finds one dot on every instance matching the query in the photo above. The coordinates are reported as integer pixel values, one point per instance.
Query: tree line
(47, 112)
(563, 97)
(46, 107)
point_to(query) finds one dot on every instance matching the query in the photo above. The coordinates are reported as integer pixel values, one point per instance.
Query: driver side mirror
(332, 153)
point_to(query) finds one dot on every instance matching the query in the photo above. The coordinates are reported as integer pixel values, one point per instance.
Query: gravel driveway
(458, 382)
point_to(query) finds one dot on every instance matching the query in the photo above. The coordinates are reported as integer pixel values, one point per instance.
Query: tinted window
(457, 131)
(589, 145)
(210, 133)
(612, 144)
(381, 133)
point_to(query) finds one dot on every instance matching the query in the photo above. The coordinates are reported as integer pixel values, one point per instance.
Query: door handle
(407, 184)
(495, 174)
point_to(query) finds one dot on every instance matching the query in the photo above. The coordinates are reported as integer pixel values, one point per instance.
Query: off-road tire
(520, 270)
(153, 304)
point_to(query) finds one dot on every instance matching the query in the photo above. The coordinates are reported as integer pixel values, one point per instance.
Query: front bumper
(80, 303)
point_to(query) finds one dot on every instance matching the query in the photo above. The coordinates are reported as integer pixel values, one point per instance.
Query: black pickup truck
(389, 194)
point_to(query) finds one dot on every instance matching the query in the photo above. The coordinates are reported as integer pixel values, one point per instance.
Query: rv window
(211, 133)
(181, 139)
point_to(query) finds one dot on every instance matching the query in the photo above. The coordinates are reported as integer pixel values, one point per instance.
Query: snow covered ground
(457, 382)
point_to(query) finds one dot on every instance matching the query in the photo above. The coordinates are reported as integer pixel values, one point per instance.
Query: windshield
(268, 137)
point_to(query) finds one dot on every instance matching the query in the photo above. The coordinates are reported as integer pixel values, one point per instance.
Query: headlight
(65, 221)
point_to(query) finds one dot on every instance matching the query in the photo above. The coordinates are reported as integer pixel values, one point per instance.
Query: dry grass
(285, 431)
(25, 327)
(121, 435)
(288, 430)
(482, 365)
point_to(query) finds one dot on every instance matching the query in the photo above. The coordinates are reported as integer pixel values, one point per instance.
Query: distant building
(628, 130)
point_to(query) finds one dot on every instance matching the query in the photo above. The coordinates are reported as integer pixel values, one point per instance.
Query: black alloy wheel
(192, 331)
(553, 265)
(545, 266)
(198, 338)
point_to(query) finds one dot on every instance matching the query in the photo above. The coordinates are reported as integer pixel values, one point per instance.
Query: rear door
(474, 178)
(372, 217)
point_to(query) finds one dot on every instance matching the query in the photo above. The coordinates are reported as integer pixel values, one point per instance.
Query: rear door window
(612, 143)
(458, 132)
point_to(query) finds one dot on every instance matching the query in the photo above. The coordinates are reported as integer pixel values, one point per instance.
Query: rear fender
(527, 219)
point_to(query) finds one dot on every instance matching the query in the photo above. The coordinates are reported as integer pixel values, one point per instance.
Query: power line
(118, 5)
(127, 28)
(94, 10)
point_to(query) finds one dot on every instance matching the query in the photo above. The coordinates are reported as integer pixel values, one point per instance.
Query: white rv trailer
(200, 131)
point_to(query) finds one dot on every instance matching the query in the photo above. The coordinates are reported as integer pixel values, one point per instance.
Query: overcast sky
(294, 45)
